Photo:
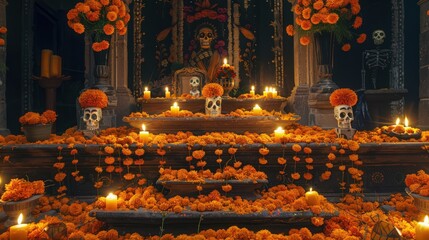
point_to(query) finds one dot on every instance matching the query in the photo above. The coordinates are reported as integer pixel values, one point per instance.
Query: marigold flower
(120, 24)
(353, 145)
(361, 39)
(198, 154)
(315, 19)
(122, 31)
(281, 160)
(329, 165)
(129, 176)
(353, 157)
(108, 29)
(126, 151)
(79, 28)
(357, 22)
(2, 42)
(59, 177)
(112, 16)
(75, 209)
(308, 176)
(3, 30)
(212, 90)
(75, 161)
(342, 167)
(331, 156)
(105, 2)
(51, 116)
(109, 150)
(59, 165)
(219, 160)
(113, 8)
(72, 14)
(226, 188)
(237, 164)
(317, 5)
(161, 152)
(142, 181)
(99, 169)
(295, 176)
(264, 151)
(93, 98)
(84, 8)
(306, 25)
(290, 30)
(346, 47)
(309, 160)
(333, 18)
(232, 150)
(343, 96)
(306, 13)
(128, 161)
(296, 148)
(199, 188)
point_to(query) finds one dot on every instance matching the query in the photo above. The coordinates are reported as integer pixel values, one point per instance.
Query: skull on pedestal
(195, 83)
(344, 116)
(92, 117)
(213, 106)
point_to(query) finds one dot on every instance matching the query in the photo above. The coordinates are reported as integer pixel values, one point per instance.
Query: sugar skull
(344, 116)
(195, 83)
(213, 106)
(205, 37)
(92, 117)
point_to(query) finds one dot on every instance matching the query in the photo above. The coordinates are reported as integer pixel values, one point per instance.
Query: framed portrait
(189, 81)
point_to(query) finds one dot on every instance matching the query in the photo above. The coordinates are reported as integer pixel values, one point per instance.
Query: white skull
(194, 81)
(205, 36)
(213, 106)
(92, 117)
(344, 116)
(378, 36)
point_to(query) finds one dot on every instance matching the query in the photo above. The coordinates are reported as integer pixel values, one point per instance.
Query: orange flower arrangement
(336, 16)
(33, 118)
(212, 90)
(418, 183)
(101, 18)
(20, 189)
(93, 98)
(343, 96)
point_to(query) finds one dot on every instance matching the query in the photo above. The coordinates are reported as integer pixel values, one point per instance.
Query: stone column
(3, 119)
(424, 66)
(304, 76)
(119, 70)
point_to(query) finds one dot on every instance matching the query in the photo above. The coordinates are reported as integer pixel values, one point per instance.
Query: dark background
(50, 30)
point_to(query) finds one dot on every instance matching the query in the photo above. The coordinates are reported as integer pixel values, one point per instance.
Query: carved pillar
(236, 46)
(304, 76)
(119, 70)
(3, 119)
(424, 66)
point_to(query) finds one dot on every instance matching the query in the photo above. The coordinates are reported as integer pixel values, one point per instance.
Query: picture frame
(182, 81)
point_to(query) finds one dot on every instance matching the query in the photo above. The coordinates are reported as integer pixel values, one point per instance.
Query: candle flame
(143, 127)
(20, 218)
(257, 106)
(406, 122)
(166, 89)
(110, 196)
(145, 88)
(225, 61)
(266, 89)
(311, 189)
(279, 129)
(175, 104)
(253, 88)
(397, 121)
(426, 219)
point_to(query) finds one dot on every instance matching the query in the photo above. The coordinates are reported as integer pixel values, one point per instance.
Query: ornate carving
(138, 48)
(182, 77)
(277, 24)
(27, 55)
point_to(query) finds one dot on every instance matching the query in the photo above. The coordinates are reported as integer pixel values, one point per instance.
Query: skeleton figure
(213, 106)
(344, 116)
(375, 59)
(195, 83)
(92, 117)
(205, 57)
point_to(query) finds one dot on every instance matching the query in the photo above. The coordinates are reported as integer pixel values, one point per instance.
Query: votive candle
(274, 92)
(252, 91)
(312, 198)
(146, 93)
(167, 93)
(279, 132)
(257, 110)
(422, 229)
(270, 93)
(144, 135)
(175, 109)
(19, 231)
(111, 202)
(265, 93)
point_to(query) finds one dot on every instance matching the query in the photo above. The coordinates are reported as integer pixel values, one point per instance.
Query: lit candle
(111, 202)
(167, 93)
(146, 93)
(406, 122)
(252, 92)
(225, 63)
(45, 63)
(144, 135)
(398, 121)
(312, 197)
(265, 93)
(20, 231)
(422, 229)
(270, 93)
(175, 109)
(274, 92)
(257, 110)
(279, 132)
(55, 67)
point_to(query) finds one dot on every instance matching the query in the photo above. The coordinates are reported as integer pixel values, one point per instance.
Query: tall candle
(312, 197)
(167, 93)
(265, 93)
(20, 231)
(55, 67)
(274, 93)
(279, 132)
(111, 202)
(422, 229)
(175, 109)
(252, 92)
(146, 93)
(257, 110)
(45, 63)
(144, 135)
(270, 93)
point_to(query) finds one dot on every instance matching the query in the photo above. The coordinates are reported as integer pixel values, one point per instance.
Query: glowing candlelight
(20, 231)
(274, 92)
(279, 132)
(422, 229)
(175, 109)
(146, 93)
(144, 135)
(312, 197)
(270, 93)
(252, 91)
(225, 62)
(167, 93)
(406, 122)
(111, 202)
(257, 110)
(265, 93)
(398, 121)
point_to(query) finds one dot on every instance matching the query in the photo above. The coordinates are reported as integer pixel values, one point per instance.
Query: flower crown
(343, 96)
(93, 98)
(212, 90)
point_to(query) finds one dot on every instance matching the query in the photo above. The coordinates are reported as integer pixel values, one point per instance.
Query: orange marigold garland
(60, 175)
(75, 161)
(309, 161)
(343, 96)
(93, 98)
(296, 148)
(212, 90)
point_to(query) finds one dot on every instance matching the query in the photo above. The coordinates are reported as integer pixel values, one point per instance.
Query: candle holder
(14, 208)
(50, 85)
(401, 132)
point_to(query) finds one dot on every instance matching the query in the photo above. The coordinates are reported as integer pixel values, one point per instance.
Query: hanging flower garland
(75, 161)
(296, 148)
(60, 175)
